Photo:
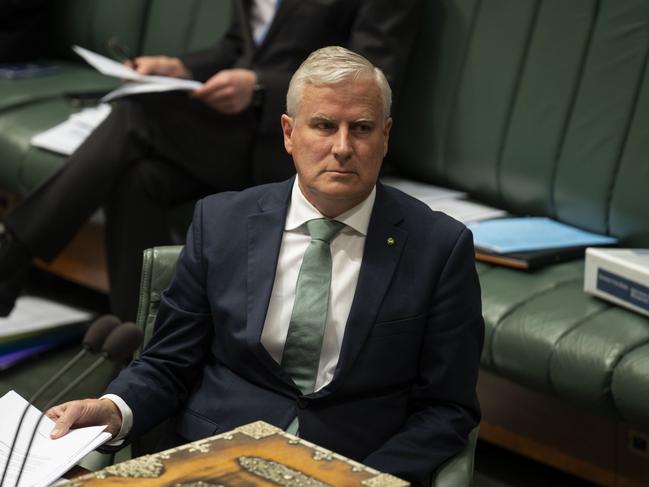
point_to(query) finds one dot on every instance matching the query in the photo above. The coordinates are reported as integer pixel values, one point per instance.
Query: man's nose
(342, 148)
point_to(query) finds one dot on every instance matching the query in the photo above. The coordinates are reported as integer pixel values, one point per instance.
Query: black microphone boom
(92, 342)
(120, 345)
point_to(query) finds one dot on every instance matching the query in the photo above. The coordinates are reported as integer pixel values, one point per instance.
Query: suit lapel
(383, 247)
(243, 9)
(264, 239)
(286, 7)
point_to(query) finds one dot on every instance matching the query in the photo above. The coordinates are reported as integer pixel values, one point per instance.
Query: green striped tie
(306, 329)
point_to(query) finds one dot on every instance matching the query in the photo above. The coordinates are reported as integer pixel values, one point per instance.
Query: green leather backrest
(168, 27)
(538, 106)
(158, 267)
(174, 28)
(90, 23)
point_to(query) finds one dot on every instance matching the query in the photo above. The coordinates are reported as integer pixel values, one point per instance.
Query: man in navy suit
(398, 363)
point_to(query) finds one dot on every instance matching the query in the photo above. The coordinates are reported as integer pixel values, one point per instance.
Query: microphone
(119, 346)
(92, 342)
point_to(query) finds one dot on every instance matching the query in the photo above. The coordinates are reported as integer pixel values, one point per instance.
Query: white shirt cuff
(127, 419)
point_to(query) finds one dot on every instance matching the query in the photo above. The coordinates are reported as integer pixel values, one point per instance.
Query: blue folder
(523, 234)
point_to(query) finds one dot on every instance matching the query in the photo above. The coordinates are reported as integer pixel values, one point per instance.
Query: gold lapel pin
(391, 241)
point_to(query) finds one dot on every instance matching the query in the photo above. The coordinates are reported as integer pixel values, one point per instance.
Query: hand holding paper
(140, 83)
(83, 413)
(161, 66)
(49, 459)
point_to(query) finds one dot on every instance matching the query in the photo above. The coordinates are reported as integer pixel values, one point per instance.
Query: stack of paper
(449, 201)
(48, 459)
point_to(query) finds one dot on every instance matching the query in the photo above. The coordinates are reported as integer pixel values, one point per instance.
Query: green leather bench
(542, 108)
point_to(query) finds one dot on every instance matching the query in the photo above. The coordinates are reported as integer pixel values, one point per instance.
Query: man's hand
(228, 91)
(87, 412)
(160, 65)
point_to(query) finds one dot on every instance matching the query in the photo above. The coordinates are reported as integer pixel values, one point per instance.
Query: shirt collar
(301, 211)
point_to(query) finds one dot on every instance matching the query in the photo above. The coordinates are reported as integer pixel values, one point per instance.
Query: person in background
(328, 305)
(156, 151)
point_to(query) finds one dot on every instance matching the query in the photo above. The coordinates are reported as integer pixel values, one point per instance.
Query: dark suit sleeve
(157, 384)
(443, 400)
(205, 63)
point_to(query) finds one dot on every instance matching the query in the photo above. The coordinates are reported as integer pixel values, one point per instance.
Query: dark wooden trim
(582, 442)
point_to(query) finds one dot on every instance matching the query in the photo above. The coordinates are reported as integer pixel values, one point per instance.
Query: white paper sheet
(33, 313)
(48, 459)
(422, 191)
(147, 83)
(448, 201)
(66, 137)
(466, 211)
(135, 88)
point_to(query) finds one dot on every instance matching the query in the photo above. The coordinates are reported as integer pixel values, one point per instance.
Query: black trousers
(152, 152)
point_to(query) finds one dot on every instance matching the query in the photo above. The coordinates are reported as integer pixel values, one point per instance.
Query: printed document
(449, 201)
(465, 211)
(422, 191)
(66, 137)
(48, 459)
(140, 83)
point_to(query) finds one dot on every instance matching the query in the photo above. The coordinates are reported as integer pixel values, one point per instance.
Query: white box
(620, 276)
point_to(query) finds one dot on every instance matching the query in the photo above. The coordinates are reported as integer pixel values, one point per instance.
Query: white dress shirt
(346, 255)
(261, 17)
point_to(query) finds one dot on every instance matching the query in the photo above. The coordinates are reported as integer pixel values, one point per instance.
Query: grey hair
(332, 65)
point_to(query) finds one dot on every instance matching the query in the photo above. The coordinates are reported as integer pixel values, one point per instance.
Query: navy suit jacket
(402, 399)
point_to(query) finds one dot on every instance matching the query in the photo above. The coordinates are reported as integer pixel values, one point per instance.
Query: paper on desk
(523, 234)
(464, 210)
(33, 314)
(66, 137)
(449, 201)
(148, 83)
(422, 191)
(48, 459)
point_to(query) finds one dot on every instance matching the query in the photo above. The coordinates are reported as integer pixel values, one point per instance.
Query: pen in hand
(120, 52)
(148, 65)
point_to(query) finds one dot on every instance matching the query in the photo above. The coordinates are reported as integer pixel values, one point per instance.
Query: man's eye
(324, 126)
(363, 128)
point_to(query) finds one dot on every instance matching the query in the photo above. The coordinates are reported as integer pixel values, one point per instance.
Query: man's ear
(287, 129)
(386, 135)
